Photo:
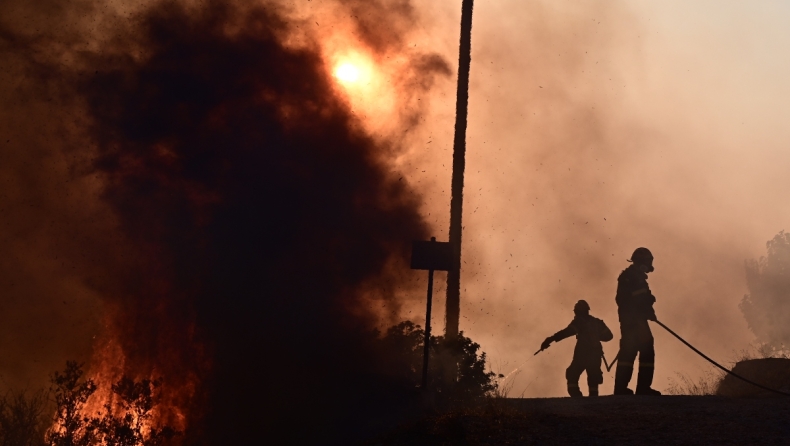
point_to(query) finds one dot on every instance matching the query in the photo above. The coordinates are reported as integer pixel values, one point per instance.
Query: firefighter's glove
(652, 317)
(546, 343)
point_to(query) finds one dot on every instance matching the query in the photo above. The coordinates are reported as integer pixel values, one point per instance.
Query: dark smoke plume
(258, 220)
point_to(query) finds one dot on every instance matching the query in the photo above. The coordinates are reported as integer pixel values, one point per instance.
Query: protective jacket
(635, 308)
(634, 299)
(589, 331)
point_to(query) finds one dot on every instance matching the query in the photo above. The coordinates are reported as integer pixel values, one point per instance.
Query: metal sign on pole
(433, 256)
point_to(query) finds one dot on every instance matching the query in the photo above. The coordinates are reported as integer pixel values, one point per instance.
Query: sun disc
(347, 73)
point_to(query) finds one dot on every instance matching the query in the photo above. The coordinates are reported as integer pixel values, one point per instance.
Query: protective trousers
(635, 340)
(588, 360)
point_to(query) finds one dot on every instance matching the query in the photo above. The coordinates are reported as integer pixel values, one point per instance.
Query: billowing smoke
(258, 234)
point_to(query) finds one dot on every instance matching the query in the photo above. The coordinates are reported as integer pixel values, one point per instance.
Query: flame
(109, 363)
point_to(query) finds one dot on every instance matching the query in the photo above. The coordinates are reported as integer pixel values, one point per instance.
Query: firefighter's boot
(593, 391)
(574, 390)
(648, 391)
(621, 379)
(645, 379)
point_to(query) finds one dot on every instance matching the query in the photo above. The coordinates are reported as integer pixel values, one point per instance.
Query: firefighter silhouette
(589, 331)
(635, 308)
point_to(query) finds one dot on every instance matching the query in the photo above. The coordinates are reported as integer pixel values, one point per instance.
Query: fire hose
(713, 362)
(609, 366)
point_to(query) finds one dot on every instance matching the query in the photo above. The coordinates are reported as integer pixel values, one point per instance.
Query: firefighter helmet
(643, 256)
(581, 307)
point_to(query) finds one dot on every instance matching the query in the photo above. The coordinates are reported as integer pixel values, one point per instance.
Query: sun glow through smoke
(367, 85)
(347, 73)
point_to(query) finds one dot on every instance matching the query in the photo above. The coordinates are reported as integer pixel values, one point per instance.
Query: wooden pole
(453, 309)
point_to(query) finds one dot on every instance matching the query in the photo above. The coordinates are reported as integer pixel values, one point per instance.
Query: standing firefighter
(589, 331)
(635, 308)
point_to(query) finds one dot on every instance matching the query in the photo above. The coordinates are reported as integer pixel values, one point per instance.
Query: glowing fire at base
(105, 405)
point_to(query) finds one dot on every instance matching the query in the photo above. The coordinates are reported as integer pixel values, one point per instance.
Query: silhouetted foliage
(767, 306)
(125, 421)
(71, 427)
(473, 381)
(136, 400)
(402, 348)
(23, 419)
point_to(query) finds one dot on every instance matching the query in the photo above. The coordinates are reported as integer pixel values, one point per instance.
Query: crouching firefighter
(589, 331)
(635, 308)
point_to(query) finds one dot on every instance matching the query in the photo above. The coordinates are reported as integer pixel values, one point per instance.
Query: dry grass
(761, 351)
(707, 384)
(504, 385)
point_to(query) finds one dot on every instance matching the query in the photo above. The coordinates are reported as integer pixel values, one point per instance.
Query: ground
(607, 420)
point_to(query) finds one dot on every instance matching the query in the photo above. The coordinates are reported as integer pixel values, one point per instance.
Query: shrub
(71, 426)
(402, 348)
(23, 418)
(136, 400)
(767, 306)
(125, 421)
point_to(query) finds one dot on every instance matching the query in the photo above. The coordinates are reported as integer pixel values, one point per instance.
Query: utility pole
(453, 309)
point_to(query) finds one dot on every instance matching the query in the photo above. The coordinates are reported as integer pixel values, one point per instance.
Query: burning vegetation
(126, 418)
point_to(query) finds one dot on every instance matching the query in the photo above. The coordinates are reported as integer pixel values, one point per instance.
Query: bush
(136, 400)
(23, 418)
(126, 420)
(767, 306)
(71, 426)
(402, 350)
